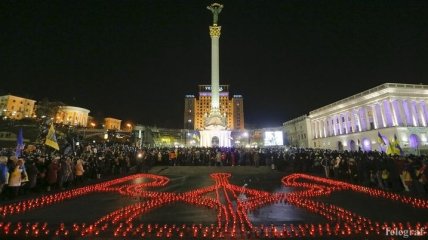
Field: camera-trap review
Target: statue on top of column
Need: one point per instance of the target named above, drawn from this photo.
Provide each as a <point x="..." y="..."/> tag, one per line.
<point x="215" y="8"/>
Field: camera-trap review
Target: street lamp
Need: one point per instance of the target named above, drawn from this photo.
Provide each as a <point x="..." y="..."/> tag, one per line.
<point x="245" y="135"/>
<point x="129" y="126"/>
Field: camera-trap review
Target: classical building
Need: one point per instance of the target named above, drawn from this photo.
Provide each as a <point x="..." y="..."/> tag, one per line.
<point x="390" y="110"/>
<point x="14" y="107"/>
<point x="70" y="115"/>
<point x="296" y="132"/>
<point x="112" y="123"/>
<point x="195" y="108"/>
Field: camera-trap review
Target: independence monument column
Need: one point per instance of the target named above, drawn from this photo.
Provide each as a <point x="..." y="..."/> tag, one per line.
<point x="215" y="132"/>
<point x="215" y="72"/>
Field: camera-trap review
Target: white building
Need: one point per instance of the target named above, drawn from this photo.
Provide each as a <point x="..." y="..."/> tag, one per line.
<point x="296" y="132"/>
<point x="70" y="115"/>
<point x="391" y="109"/>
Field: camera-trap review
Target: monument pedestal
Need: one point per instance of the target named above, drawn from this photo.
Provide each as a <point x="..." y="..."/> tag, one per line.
<point x="215" y="138"/>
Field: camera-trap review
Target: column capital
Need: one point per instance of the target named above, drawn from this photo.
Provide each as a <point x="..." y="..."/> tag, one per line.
<point x="215" y="31"/>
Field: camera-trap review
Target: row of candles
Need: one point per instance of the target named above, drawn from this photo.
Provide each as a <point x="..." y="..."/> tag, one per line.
<point x="203" y="231"/>
<point x="232" y="213"/>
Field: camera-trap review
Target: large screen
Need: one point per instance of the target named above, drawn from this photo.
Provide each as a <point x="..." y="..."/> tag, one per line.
<point x="273" y="138"/>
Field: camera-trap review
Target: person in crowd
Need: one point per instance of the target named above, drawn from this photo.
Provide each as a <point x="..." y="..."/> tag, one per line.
<point x="66" y="173"/>
<point x="79" y="171"/>
<point x="4" y="174"/>
<point x="32" y="172"/>
<point x="52" y="174"/>
<point x="15" y="178"/>
<point x="325" y="163"/>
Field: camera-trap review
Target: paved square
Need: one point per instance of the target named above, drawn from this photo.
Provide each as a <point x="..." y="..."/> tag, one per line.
<point x="215" y="202"/>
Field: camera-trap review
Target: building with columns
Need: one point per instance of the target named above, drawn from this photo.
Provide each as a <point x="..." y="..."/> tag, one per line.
<point x="391" y="109"/>
<point x="70" y="115"/>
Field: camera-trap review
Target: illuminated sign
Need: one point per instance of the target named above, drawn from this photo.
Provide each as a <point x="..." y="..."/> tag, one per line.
<point x="207" y="88"/>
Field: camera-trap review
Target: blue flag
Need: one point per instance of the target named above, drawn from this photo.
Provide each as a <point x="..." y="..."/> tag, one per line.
<point x="380" y="139"/>
<point x="19" y="144"/>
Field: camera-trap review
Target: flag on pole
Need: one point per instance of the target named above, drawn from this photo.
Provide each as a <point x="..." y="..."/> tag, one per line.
<point x="394" y="147"/>
<point x="380" y="139"/>
<point x="196" y="137"/>
<point x="51" y="138"/>
<point x="397" y="146"/>
<point x="19" y="144"/>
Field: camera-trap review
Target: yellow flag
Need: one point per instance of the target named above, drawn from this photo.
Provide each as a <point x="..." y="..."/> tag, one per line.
<point x="51" y="138"/>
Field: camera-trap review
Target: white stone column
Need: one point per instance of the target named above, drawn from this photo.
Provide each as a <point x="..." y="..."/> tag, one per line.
<point x="325" y="127"/>
<point x="424" y="110"/>
<point x="333" y="125"/>
<point x="398" y="115"/>
<point x="353" y="122"/>
<point x="345" y="115"/>
<point x="375" y="120"/>
<point x="393" y="112"/>
<point x="388" y="113"/>
<point x="317" y="129"/>
<point x="420" y="110"/>
<point x="339" y="118"/>
<point x="336" y="125"/>
<point x="414" y="113"/>
<point x="366" y="116"/>
<point x="382" y="113"/>
<point x="215" y="67"/>
<point x="402" y="112"/>
<point x="314" y="128"/>
<point x="408" y="112"/>
<point x="358" y="118"/>
<point x="362" y="119"/>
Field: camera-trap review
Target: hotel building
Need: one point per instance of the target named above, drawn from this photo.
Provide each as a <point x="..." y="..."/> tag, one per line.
<point x="195" y="108"/>
<point x="391" y="110"/>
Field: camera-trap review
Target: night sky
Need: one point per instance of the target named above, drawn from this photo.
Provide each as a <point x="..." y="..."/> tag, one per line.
<point x="136" y="60"/>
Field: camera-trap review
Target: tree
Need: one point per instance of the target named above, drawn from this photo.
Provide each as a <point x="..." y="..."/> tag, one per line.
<point x="47" y="108"/>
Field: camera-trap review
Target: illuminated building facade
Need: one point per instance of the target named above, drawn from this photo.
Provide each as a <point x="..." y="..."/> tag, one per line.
<point x="391" y="110"/>
<point x="195" y="109"/>
<point x="296" y="132"/>
<point x="112" y="123"/>
<point x="70" y="115"/>
<point x="17" y="108"/>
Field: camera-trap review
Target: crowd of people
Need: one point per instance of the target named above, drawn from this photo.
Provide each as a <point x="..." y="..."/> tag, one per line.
<point x="41" y="170"/>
